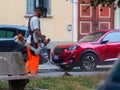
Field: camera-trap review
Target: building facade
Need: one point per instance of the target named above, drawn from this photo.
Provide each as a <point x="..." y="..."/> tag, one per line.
<point x="54" y="26"/>
<point x="66" y="19"/>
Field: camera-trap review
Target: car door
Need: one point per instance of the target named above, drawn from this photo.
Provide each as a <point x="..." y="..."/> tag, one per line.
<point x="6" y="39"/>
<point x="112" y="47"/>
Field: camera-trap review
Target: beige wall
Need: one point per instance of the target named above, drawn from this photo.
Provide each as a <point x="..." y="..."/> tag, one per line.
<point x="12" y="12"/>
<point x="54" y="27"/>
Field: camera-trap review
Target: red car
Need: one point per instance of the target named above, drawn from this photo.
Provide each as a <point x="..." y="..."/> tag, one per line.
<point x="93" y="49"/>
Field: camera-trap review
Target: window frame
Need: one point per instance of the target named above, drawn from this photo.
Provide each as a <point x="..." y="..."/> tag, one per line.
<point x="111" y="38"/>
<point x="31" y="4"/>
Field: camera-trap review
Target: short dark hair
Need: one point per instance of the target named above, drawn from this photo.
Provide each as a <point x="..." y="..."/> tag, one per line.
<point x="42" y="9"/>
<point x="39" y="8"/>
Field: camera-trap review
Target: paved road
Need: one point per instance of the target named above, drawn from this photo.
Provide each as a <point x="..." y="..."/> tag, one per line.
<point x="49" y="70"/>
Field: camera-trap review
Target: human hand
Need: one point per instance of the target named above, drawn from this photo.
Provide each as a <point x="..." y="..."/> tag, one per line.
<point x="37" y="51"/>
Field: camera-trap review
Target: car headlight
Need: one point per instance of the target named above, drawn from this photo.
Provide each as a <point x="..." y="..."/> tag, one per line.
<point x="73" y="48"/>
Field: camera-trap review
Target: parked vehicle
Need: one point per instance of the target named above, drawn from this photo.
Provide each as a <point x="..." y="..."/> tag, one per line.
<point x="7" y="44"/>
<point x="88" y="52"/>
<point x="112" y="81"/>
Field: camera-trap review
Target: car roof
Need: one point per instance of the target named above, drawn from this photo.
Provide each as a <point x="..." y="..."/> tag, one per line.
<point x="108" y="30"/>
<point x="13" y="26"/>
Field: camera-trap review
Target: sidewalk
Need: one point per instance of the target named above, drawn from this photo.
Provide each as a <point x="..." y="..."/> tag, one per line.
<point x="53" y="67"/>
<point x="47" y="66"/>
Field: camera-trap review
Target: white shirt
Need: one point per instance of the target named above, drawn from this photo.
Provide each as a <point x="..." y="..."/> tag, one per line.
<point x="34" y="24"/>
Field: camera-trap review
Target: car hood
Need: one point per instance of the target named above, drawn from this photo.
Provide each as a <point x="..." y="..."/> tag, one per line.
<point x="67" y="45"/>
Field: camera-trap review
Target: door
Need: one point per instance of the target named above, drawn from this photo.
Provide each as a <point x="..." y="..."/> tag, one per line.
<point x="112" y="47"/>
<point x="90" y="19"/>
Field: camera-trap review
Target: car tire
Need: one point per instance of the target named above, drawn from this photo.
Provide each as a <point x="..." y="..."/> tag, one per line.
<point x="88" y="62"/>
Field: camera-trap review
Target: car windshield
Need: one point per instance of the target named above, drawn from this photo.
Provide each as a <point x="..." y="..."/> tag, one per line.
<point x="92" y="37"/>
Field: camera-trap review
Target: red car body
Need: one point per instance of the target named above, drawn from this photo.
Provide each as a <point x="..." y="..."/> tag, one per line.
<point x="91" y="50"/>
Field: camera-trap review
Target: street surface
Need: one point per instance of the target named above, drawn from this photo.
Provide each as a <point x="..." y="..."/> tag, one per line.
<point x="49" y="70"/>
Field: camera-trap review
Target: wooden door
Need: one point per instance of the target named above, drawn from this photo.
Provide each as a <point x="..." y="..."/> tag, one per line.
<point x="90" y="20"/>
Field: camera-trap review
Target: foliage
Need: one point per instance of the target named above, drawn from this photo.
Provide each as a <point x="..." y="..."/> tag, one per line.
<point x="3" y="85"/>
<point x="108" y="3"/>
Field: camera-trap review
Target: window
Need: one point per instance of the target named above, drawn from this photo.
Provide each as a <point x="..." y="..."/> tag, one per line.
<point x="2" y="34"/>
<point x="92" y="37"/>
<point x="31" y="4"/>
<point x="7" y="33"/>
<point x="113" y="37"/>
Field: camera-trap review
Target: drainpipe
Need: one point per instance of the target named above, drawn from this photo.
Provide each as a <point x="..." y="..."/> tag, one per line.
<point x="75" y="20"/>
<point x="116" y="17"/>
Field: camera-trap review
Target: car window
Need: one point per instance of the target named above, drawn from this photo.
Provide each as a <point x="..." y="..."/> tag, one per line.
<point x="7" y="33"/>
<point x="113" y="37"/>
<point x="92" y="37"/>
<point x="21" y="32"/>
<point x="2" y="34"/>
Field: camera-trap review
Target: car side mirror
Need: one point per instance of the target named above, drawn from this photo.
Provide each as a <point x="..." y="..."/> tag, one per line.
<point x="104" y="41"/>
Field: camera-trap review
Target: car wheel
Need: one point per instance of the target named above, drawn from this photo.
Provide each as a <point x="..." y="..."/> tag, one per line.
<point x="88" y="62"/>
<point x="66" y="67"/>
<point x="25" y="56"/>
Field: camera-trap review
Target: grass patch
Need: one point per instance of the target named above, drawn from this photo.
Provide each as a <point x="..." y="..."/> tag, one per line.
<point x="67" y="82"/>
<point x="62" y="83"/>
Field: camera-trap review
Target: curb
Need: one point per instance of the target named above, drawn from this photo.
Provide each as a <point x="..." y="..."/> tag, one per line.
<point x="47" y="66"/>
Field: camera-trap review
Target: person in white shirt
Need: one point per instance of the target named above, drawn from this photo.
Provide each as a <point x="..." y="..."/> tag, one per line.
<point x="33" y="39"/>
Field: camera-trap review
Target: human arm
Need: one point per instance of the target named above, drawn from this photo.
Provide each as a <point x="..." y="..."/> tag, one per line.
<point x="39" y="34"/>
<point x="36" y="27"/>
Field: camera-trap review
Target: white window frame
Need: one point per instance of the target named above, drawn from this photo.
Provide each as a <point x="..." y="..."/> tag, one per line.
<point x="31" y="4"/>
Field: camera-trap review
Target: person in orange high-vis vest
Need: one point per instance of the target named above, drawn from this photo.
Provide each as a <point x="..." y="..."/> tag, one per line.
<point x="33" y="39"/>
<point x="32" y="63"/>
